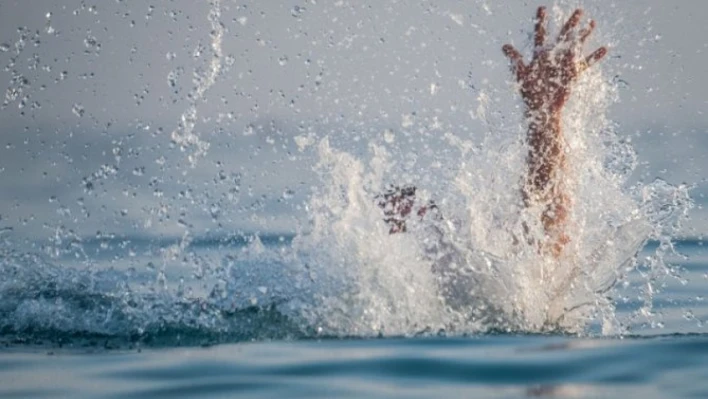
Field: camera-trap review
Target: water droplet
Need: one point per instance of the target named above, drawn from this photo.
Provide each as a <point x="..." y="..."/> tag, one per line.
<point x="283" y="60"/>
<point x="249" y="130"/>
<point x="389" y="136"/>
<point x="92" y="43"/>
<point x="172" y="78"/>
<point x="434" y="88"/>
<point x="215" y="211"/>
<point x="407" y="120"/>
<point x="197" y="53"/>
<point x="236" y="178"/>
<point x="297" y="11"/>
<point x="78" y="110"/>
<point x="4" y="47"/>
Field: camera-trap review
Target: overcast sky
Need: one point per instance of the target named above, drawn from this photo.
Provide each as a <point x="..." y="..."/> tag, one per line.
<point x="94" y="90"/>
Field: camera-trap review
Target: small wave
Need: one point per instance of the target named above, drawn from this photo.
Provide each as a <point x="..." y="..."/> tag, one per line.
<point x="46" y="304"/>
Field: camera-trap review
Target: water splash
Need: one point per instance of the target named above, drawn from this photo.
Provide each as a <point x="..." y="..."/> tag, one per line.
<point x="344" y="275"/>
<point x="184" y="135"/>
<point x="474" y="270"/>
<point x="43" y="303"/>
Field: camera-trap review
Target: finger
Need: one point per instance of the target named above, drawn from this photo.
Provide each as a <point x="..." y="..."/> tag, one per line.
<point x="592" y="59"/>
<point x="587" y="31"/>
<point x="517" y="61"/>
<point x="512" y="53"/>
<point x="572" y="23"/>
<point x="596" y="56"/>
<point x="540" y="36"/>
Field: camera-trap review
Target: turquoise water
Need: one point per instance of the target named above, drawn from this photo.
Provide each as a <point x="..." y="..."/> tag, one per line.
<point x="86" y="344"/>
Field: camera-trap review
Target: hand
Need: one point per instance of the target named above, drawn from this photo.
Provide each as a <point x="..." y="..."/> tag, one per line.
<point x="545" y="82"/>
<point x="397" y="204"/>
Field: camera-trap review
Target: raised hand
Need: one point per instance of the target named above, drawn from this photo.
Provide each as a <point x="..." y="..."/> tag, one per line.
<point x="555" y="65"/>
<point x="545" y="85"/>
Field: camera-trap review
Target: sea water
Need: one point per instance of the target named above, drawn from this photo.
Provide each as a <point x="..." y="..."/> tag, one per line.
<point x="82" y="335"/>
<point x="457" y="306"/>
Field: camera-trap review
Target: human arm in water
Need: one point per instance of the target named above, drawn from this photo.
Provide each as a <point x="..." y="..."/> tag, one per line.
<point x="545" y="86"/>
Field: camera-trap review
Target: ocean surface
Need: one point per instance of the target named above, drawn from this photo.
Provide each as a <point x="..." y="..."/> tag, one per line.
<point x="63" y="337"/>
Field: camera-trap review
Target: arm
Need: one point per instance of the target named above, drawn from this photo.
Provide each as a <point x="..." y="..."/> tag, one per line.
<point x="545" y="86"/>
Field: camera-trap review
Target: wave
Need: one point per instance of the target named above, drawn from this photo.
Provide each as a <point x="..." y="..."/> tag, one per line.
<point x="45" y="303"/>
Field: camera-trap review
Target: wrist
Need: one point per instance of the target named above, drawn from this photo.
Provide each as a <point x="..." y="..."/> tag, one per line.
<point x="543" y="118"/>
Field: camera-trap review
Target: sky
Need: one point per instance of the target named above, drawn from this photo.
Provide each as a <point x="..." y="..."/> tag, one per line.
<point x="108" y="104"/>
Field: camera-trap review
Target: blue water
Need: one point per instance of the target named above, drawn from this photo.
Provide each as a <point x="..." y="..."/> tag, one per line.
<point x="484" y="366"/>
<point x="96" y="327"/>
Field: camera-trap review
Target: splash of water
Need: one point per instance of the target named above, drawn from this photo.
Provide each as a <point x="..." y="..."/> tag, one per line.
<point x="473" y="271"/>
<point x="344" y="275"/>
<point x="184" y="135"/>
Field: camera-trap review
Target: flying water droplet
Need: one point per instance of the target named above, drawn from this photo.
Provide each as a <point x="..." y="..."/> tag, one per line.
<point x="92" y="43"/>
<point x="78" y="110"/>
<point x="389" y="136"/>
<point x="249" y="130"/>
<point x="172" y="77"/>
<point x="288" y="194"/>
<point x="297" y="11"/>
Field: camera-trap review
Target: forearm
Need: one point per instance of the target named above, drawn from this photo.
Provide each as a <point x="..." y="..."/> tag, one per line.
<point x="545" y="86"/>
<point x="546" y="157"/>
<point x="546" y="181"/>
